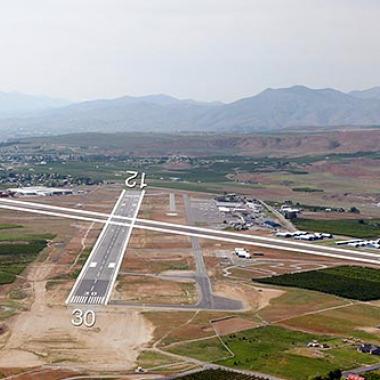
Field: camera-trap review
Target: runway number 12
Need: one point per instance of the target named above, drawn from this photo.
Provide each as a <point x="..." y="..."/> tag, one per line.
<point x="131" y="180"/>
<point x="87" y="318"/>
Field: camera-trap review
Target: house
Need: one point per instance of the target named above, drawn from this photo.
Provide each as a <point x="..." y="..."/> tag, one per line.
<point x="367" y="348"/>
<point x="316" y="344"/>
<point x="353" y="376"/>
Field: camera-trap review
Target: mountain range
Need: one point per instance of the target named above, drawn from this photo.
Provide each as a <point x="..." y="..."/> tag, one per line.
<point x="272" y="109"/>
<point x="13" y="104"/>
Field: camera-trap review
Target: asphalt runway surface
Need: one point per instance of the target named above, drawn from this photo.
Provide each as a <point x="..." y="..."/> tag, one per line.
<point x="95" y="282"/>
<point x="359" y="255"/>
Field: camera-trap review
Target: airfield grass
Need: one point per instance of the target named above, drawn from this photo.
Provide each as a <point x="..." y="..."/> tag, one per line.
<point x="360" y="228"/>
<point x="273" y="350"/>
<point x="17" y="250"/>
<point x="351" y="282"/>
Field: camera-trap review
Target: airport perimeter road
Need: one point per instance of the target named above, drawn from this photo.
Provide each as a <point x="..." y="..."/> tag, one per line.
<point x="95" y="282"/>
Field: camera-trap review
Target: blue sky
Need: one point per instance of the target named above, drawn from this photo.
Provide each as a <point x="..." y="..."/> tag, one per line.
<point x="202" y="49"/>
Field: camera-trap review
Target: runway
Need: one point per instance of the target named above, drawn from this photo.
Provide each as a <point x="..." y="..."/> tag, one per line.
<point x="95" y="282"/>
<point x="359" y="255"/>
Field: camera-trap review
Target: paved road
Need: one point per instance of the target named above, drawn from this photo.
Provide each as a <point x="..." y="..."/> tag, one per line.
<point x="207" y="299"/>
<point x="95" y="282"/>
<point x="358" y="371"/>
<point x="285" y="222"/>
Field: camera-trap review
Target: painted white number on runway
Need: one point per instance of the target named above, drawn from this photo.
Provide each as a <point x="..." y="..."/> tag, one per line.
<point x="87" y="318"/>
<point x="131" y="180"/>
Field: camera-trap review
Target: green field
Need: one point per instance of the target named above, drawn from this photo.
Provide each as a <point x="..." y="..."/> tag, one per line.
<point x="17" y="251"/>
<point x="372" y="375"/>
<point x="9" y="226"/>
<point x="307" y="190"/>
<point x="360" y="228"/>
<point x="345" y="281"/>
<point x="277" y="351"/>
<point x="217" y="374"/>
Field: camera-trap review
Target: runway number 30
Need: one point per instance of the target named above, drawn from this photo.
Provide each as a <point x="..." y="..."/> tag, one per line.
<point x="86" y="318"/>
<point x="131" y="180"/>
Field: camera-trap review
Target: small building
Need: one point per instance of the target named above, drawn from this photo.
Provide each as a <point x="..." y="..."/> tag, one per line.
<point x="284" y="234"/>
<point x="289" y="212"/>
<point x="307" y="237"/>
<point x="4" y="194"/>
<point x="242" y="253"/>
<point x="316" y="344"/>
<point x="367" y="348"/>
<point x="272" y="223"/>
<point x="224" y="209"/>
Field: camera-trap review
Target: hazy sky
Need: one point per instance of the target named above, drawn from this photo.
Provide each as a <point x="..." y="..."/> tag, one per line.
<point x="203" y="49"/>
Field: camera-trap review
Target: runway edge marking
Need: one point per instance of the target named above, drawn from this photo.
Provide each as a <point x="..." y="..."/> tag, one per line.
<point x="219" y="238"/>
<point x="154" y="222"/>
<point x="118" y="265"/>
<point x="100" y="238"/>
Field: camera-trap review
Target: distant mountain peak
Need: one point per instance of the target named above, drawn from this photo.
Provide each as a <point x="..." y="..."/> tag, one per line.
<point x="272" y="109"/>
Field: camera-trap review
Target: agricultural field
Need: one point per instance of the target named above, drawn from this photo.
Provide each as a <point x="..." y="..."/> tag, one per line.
<point x="300" y="176"/>
<point x="17" y="251"/>
<point x="358" y="321"/>
<point x="359" y="228"/>
<point x="277" y="351"/>
<point x="372" y="375"/>
<point x="217" y="374"/>
<point x="351" y="282"/>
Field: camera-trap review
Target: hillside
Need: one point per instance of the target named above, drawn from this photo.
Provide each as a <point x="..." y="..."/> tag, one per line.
<point x="372" y="93"/>
<point x="272" y="109"/>
<point x="255" y="144"/>
<point x="14" y="104"/>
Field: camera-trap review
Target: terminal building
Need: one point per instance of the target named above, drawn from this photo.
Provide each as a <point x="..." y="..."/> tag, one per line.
<point x="39" y="190"/>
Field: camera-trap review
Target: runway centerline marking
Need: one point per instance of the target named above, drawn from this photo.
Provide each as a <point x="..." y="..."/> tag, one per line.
<point x="206" y="233"/>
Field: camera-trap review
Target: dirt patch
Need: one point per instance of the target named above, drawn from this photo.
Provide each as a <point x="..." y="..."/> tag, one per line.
<point x="232" y="325"/>
<point x="307" y="352"/>
<point x="154" y="290"/>
<point x="41" y="333"/>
